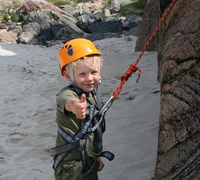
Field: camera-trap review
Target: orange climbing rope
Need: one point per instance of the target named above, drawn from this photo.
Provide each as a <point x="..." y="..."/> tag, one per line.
<point x="133" y="67"/>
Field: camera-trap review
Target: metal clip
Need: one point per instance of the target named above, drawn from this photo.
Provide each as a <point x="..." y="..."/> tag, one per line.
<point x="107" y="105"/>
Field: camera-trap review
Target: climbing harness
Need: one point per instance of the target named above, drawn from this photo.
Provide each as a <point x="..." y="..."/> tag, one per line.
<point x="79" y="139"/>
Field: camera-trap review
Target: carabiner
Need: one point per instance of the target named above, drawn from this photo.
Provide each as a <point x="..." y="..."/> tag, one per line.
<point x="107" y="105"/>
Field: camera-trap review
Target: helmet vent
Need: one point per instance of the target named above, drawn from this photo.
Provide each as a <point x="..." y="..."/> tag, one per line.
<point x="70" y="50"/>
<point x="69" y="47"/>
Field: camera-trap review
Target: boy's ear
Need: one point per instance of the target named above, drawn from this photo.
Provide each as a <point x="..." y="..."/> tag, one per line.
<point x="67" y="76"/>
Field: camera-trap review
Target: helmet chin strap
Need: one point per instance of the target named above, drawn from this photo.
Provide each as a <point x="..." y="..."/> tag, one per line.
<point x="97" y="95"/>
<point x="71" y="73"/>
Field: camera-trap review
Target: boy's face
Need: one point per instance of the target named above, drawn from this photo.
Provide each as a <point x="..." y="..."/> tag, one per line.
<point x="86" y="78"/>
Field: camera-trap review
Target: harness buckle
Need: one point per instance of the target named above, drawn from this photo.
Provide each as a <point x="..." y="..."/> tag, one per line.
<point x="107" y="105"/>
<point x="81" y="144"/>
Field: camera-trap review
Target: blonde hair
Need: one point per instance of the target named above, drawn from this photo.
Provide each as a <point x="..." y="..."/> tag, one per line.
<point x="91" y="61"/>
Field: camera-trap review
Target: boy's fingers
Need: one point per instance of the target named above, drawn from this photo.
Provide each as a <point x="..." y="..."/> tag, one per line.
<point x="83" y="98"/>
<point x="101" y="164"/>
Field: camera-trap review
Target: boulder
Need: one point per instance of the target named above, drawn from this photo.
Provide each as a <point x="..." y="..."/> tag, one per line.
<point x="67" y="34"/>
<point x="131" y="25"/>
<point x="114" y="6"/>
<point x="29" y="33"/>
<point x="3" y="26"/>
<point x="55" y="27"/>
<point x="68" y="9"/>
<point x="7" y="37"/>
<point x="149" y="22"/>
<point x="107" y="27"/>
<point x="37" y="16"/>
<point x="99" y="36"/>
<point x="44" y="22"/>
<point x="132" y="32"/>
<point x="106" y="13"/>
<point x="85" y="19"/>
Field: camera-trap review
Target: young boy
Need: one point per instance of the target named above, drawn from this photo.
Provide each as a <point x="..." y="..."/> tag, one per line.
<point x="80" y="63"/>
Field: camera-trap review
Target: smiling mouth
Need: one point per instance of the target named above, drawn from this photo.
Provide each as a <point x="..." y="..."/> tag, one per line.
<point x="90" y="85"/>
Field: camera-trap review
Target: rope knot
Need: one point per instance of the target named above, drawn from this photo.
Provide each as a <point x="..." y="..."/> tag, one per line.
<point x="132" y="68"/>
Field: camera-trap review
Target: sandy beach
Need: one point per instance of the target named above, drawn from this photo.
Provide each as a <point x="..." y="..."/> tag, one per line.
<point x="30" y="79"/>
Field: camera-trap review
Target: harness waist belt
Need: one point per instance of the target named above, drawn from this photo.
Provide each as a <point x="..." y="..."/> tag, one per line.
<point x="61" y="149"/>
<point x="67" y="147"/>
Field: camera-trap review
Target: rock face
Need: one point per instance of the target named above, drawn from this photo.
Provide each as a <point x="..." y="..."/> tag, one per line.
<point x="149" y="22"/>
<point x="179" y="56"/>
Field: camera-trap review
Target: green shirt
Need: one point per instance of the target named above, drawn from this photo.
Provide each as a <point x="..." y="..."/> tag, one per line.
<point x="68" y="122"/>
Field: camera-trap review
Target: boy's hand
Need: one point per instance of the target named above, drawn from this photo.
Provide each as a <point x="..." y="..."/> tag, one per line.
<point x="100" y="164"/>
<point x="78" y="107"/>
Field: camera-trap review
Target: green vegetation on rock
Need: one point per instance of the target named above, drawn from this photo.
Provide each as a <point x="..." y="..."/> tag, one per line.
<point x="135" y="7"/>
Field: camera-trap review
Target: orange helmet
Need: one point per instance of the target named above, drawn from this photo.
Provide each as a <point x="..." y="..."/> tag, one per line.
<point x="74" y="50"/>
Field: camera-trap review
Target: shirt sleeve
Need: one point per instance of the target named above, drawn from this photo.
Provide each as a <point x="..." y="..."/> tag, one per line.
<point x="62" y="98"/>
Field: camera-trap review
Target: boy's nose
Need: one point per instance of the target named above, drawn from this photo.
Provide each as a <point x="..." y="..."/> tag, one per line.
<point x="89" y="77"/>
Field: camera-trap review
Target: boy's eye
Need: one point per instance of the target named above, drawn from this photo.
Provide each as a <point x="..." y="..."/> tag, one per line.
<point x="94" y="72"/>
<point x="82" y="74"/>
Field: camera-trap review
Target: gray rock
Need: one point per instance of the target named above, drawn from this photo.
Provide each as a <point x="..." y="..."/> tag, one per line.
<point x="132" y="32"/>
<point x="149" y="22"/>
<point x="107" y="27"/>
<point x="114" y="6"/>
<point x="67" y="34"/>
<point x="68" y="9"/>
<point x="55" y="27"/>
<point x="99" y="36"/>
<point x="46" y="22"/>
<point x="37" y="16"/>
<point x="29" y="33"/>
<point x="85" y="19"/>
